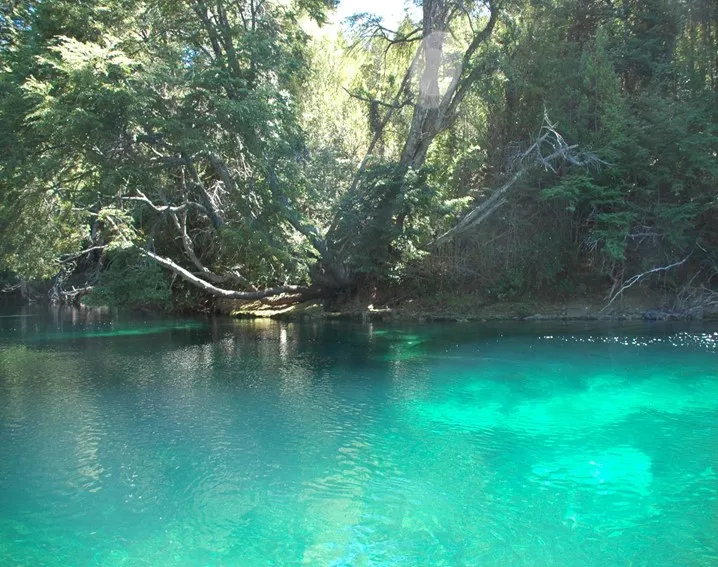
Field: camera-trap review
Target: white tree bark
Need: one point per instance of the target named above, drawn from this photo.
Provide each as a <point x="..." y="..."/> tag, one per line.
<point x="218" y="291"/>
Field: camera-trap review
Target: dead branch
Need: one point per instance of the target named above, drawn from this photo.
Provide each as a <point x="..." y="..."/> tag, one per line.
<point x="75" y="256"/>
<point x="218" y="291"/>
<point x="638" y="277"/>
<point x="165" y="208"/>
<point x="204" y="272"/>
<point x="550" y="149"/>
<point x="72" y="295"/>
<point x="178" y="215"/>
<point x="547" y="151"/>
<point x="695" y="300"/>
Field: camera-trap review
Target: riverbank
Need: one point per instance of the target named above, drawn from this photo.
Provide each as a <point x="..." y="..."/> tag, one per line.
<point x="637" y="306"/>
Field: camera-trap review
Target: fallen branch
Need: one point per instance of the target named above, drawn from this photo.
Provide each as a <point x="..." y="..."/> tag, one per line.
<point x="192" y="255"/>
<point x="696" y="300"/>
<point x="72" y="295"/>
<point x="480" y="213"/>
<point x="9" y="288"/>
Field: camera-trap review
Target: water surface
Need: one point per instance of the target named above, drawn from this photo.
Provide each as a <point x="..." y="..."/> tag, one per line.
<point x="136" y="440"/>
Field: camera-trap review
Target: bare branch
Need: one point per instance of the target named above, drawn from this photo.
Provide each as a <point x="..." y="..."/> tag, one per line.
<point x="480" y="213"/>
<point x="695" y="300"/>
<point x="460" y="86"/>
<point x="374" y="100"/>
<point x="638" y="277"/>
<point x="366" y="27"/>
<point x="72" y="295"/>
<point x="522" y="162"/>
<point x="218" y="291"/>
<point x="165" y="208"/>
<point x="191" y="254"/>
<point x="69" y="257"/>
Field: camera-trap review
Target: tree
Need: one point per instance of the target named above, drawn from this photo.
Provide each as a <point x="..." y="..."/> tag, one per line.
<point x="164" y="130"/>
<point x="220" y="142"/>
<point x="175" y="128"/>
<point x="375" y="208"/>
<point x="621" y="79"/>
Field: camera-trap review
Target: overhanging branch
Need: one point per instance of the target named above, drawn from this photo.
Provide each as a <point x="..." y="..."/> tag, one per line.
<point x="218" y="291"/>
<point x="204" y="271"/>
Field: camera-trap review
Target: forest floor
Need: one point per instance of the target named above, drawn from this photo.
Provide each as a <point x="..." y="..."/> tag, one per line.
<point x="637" y="305"/>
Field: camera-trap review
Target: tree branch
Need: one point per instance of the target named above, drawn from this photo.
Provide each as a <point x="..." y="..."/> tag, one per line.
<point x="222" y="170"/>
<point x="638" y="277"/>
<point x="380" y="130"/>
<point x="209" y="203"/>
<point x="75" y="256"/>
<point x="191" y="254"/>
<point x="480" y="213"/>
<point x="373" y="100"/>
<point x="165" y="208"/>
<point x="218" y="291"/>
<point x="521" y="163"/>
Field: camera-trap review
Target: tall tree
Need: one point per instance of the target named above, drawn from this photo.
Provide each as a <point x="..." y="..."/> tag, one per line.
<point x="174" y="128"/>
<point x="205" y="137"/>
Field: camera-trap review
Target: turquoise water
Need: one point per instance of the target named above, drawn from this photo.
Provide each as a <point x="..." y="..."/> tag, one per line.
<point x="137" y="441"/>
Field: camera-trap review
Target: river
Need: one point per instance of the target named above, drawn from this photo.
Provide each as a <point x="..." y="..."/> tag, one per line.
<point x="145" y="440"/>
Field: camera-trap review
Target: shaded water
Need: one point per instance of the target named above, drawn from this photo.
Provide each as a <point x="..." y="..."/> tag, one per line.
<point x="129" y="441"/>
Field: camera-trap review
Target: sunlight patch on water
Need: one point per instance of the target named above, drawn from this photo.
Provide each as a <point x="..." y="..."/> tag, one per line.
<point x="707" y="341"/>
<point x="607" y="490"/>
<point x="607" y="400"/>
<point x="606" y="472"/>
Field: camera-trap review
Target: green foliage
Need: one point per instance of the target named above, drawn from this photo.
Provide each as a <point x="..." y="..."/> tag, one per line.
<point x="229" y="139"/>
<point x="335" y="126"/>
<point x="389" y="220"/>
<point x="43" y="229"/>
<point x="628" y="83"/>
<point x="108" y="100"/>
<point x="132" y="281"/>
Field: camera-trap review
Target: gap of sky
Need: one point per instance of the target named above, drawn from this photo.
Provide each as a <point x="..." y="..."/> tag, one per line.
<point x="390" y="11"/>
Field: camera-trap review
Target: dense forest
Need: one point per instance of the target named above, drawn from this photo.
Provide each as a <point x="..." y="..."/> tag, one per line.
<point x="163" y="153"/>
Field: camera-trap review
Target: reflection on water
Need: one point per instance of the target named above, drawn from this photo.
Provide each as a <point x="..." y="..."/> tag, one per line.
<point x="146" y="441"/>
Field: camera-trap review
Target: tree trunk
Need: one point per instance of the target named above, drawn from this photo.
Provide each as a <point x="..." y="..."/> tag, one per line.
<point x="433" y="112"/>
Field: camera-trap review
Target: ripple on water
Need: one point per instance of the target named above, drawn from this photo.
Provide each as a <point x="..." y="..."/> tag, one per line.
<point x="265" y="449"/>
<point x="605" y="472"/>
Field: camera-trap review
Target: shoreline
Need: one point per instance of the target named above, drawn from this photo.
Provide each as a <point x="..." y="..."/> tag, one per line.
<point x="575" y="310"/>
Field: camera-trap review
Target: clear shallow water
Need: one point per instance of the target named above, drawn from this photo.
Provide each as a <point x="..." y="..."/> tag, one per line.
<point x="131" y="441"/>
